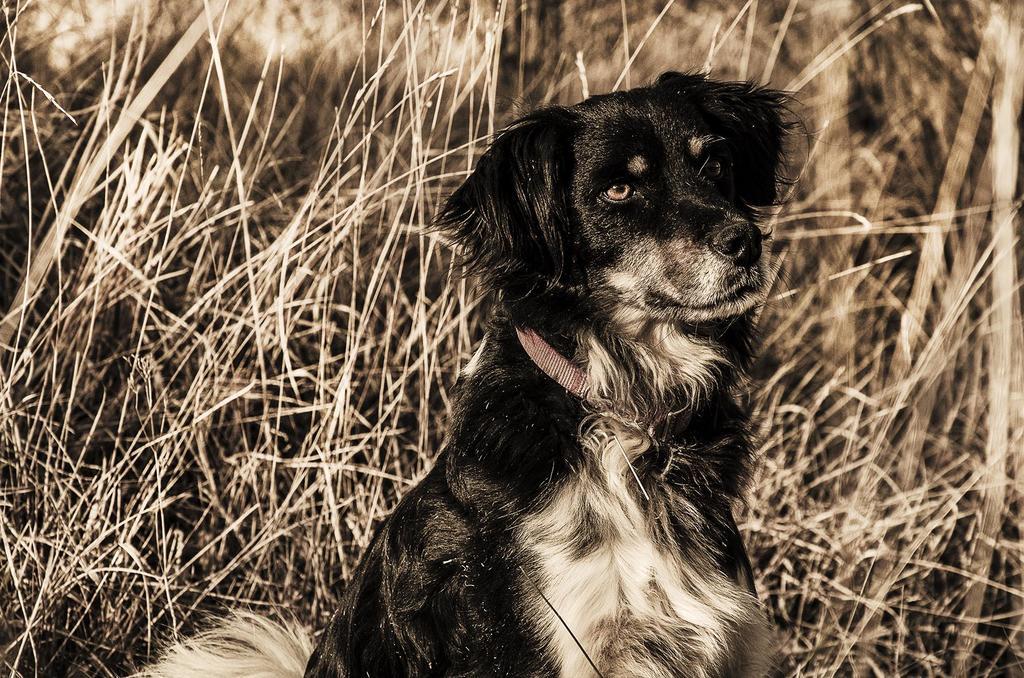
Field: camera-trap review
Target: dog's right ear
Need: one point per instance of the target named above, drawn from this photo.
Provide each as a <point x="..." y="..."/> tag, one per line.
<point x="509" y="219"/>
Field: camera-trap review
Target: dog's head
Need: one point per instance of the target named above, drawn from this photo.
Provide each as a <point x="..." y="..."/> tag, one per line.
<point x="643" y="202"/>
<point x="629" y="224"/>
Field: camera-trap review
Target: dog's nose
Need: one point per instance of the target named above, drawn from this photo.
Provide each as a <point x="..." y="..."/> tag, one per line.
<point x="739" y="243"/>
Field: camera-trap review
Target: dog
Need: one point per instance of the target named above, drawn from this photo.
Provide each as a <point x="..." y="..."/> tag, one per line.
<point x="578" y="518"/>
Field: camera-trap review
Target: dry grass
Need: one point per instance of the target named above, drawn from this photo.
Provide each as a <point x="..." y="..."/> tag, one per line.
<point x="227" y="345"/>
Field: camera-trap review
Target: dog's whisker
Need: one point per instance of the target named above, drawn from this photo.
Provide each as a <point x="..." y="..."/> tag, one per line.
<point x="632" y="469"/>
<point x="562" y="622"/>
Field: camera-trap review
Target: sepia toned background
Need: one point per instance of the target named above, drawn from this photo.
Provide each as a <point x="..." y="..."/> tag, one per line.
<point x="227" y="343"/>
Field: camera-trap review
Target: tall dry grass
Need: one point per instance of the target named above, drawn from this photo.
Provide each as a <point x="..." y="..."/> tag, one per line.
<point x="228" y="345"/>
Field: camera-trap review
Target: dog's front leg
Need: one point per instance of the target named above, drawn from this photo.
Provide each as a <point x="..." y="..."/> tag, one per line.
<point x="402" y="613"/>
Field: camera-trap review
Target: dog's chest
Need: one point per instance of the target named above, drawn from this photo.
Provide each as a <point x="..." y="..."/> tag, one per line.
<point x="626" y="597"/>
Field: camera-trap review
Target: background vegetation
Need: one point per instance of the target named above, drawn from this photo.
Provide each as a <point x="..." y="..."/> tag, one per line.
<point x="227" y="345"/>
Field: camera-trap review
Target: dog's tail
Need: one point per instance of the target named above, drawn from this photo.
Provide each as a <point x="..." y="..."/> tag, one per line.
<point x="242" y="645"/>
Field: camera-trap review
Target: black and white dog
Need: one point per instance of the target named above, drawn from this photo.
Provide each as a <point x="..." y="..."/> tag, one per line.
<point x="578" y="520"/>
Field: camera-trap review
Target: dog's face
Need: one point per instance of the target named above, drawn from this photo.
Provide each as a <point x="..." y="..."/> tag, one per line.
<point x="643" y="202"/>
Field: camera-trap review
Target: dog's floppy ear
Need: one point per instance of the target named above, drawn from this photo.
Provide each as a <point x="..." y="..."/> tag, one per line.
<point x="509" y="218"/>
<point x="751" y="118"/>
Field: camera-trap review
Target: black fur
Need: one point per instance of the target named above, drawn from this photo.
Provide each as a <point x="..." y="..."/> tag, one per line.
<point x="750" y="118"/>
<point x="442" y="589"/>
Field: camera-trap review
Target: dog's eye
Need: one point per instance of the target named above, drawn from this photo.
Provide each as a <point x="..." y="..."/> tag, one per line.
<point x="714" y="168"/>
<point x="618" y="192"/>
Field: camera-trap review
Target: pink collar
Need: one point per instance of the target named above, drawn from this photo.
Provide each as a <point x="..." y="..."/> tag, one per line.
<point x="553" y="363"/>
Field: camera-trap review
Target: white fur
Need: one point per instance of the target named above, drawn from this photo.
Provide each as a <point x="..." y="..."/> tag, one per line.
<point x="696" y="144"/>
<point x="623" y="584"/>
<point x="638" y="165"/>
<point x="474" y="362"/>
<point x="667" y="358"/>
<point x="242" y="645"/>
<point x="625" y="281"/>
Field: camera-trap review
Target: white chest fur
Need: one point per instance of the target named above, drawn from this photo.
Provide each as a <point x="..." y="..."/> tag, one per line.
<point x="634" y="603"/>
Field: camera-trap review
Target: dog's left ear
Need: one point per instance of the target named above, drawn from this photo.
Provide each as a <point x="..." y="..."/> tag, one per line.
<point x="509" y="218"/>
<point x="752" y="120"/>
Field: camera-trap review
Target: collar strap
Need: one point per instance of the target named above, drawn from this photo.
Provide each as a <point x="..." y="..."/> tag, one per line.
<point x="553" y="363"/>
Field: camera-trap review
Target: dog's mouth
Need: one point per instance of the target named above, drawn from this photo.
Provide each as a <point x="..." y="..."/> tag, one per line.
<point x="702" y="294"/>
<point x="734" y="301"/>
<point x="724" y="306"/>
